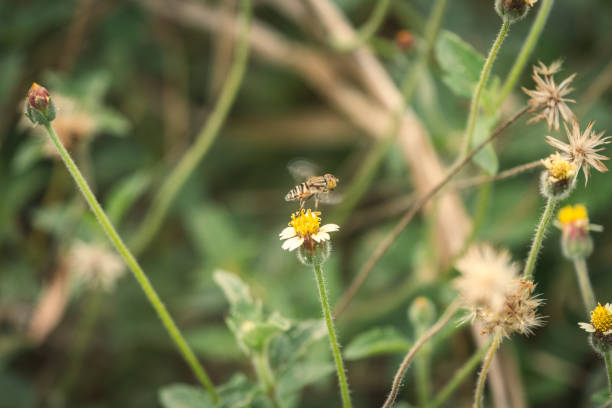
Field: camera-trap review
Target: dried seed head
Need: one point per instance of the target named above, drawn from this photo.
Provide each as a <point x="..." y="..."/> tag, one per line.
<point x="494" y="294"/>
<point x="583" y="148"/>
<point x="549" y="98"/>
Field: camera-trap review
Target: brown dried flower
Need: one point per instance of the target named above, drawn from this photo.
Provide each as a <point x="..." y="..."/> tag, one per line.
<point x="548" y="97"/>
<point x="582" y="148"/>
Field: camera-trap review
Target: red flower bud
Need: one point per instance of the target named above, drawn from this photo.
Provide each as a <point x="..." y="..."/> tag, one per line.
<point x="40" y="109"/>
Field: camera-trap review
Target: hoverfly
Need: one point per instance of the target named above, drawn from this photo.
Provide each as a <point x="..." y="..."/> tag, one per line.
<point x="318" y="187"/>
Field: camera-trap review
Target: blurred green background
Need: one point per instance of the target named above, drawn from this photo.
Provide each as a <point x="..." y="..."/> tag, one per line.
<point x="138" y="87"/>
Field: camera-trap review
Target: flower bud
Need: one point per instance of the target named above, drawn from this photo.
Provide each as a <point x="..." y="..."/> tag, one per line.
<point x="600" y="342"/>
<point x="513" y="10"/>
<point x="559" y="178"/>
<point x="40" y="109"/>
<point x="422" y="312"/>
<point x="576" y="242"/>
<point x="314" y="255"/>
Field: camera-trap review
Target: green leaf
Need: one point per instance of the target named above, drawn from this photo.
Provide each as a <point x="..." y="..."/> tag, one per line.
<point x="214" y="342"/>
<point x="486" y="158"/>
<point x="235" y="290"/>
<point x="460" y="63"/>
<point x="301" y="375"/>
<point x="236" y="393"/>
<point x="184" y="396"/>
<point x="289" y="347"/>
<point x="380" y="340"/>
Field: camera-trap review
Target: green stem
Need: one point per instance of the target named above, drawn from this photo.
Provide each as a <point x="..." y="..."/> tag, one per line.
<point x="582" y="273"/>
<point x="132" y="263"/>
<point x="423" y="375"/>
<point x="344" y="390"/>
<point x="538" y="238"/>
<point x="526" y="50"/>
<point x="431" y="32"/>
<point x="178" y="177"/>
<point x="608" y="358"/>
<point x="485" y="369"/>
<point x="460" y="376"/>
<point x="368" y="29"/>
<point x="484" y="75"/>
<point x="264" y="373"/>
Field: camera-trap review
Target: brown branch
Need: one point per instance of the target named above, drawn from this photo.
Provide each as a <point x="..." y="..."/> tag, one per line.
<point x="399" y="375"/>
<point x="418" y="205"/>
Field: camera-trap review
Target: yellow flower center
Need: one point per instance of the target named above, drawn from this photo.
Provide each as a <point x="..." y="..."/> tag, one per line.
<point x="601" y="318"/>
<point x="559" y="168"/>
<point x="570" y="215"/>
<point x="305" y="223"/>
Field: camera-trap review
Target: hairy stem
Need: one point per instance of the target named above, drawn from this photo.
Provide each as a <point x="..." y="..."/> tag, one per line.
<point x="154" y="218"/>
<point x="416" y="207"/>
<point x="460" y="376"/>
<point x="485" y="369"/>
<point x="484" y="75"/>
<point x="399" y="375"/>
<point x="333" y="340"/>
<point x="528" y="46"/>
<point x="608" y="359"/>
<point x="368" y="29"/>
<point x="132" y="263"/>
<point x="582" y="273"/>
<point x="538" y="238"/>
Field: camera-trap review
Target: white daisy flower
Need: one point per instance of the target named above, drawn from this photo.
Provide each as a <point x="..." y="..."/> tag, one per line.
<point x="304" y="229"/>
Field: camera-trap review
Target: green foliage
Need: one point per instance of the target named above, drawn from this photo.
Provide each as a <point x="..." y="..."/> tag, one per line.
<point x="236" y="393"/>
<point x="376" y="341"/>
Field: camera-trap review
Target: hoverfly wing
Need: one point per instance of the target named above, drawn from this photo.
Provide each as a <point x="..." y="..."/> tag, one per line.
<point x="302" y="169"/>
<point x="332" y="198"/>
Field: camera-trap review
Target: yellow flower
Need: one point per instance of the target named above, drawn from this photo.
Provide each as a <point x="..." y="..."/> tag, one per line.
<point x="559" y="169"/>
<point x="601" y="320"/>
<point x="304" y="228"/>
<point x="572" y="214"/>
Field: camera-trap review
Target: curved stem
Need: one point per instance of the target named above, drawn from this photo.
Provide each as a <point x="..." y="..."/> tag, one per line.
<point x="264" y="373"/>
<point x="399" y="375"/>
<point x="485" y="369"/>
<point x="538" y="238"/>
<point x="154" y="218"/>
<point x="416" y="207"/>
<point x="333" y="340"/>
<point x="482" y="179"/>
<point x="132" y="263"/>
<point x="528" y="46"/>
<point x="484" y="75"/>
<point x="582" y="273"/>
<point x="368" y="29"/>
<point x="460" y="376"/>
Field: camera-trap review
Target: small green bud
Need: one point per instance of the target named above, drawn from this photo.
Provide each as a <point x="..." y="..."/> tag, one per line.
<point x="558" y="189"/>
<point x="316" y="254"/>
<point x="600" y="342"/>
<point x="422" y="312"/>
<point x="513" y="10"/>
<point x="40" y="109"/>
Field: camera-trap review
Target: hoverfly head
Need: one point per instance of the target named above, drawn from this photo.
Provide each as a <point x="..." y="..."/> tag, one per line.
<point x="331" y="181"/>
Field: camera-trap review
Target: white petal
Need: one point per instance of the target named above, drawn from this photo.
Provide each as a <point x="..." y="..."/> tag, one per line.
<point x="329" y="228"/>
<point x="609" y="307"/>
<point x="587" y="326"/>
<point x="293" y="243"/>
<point x="608" y="332"/>
<point x="288" y="232"/>
<point x="321" y="236"/>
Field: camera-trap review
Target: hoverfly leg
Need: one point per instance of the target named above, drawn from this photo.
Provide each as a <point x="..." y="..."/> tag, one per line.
<point x="316" y="201"/>
<point x="302" y="202"/>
